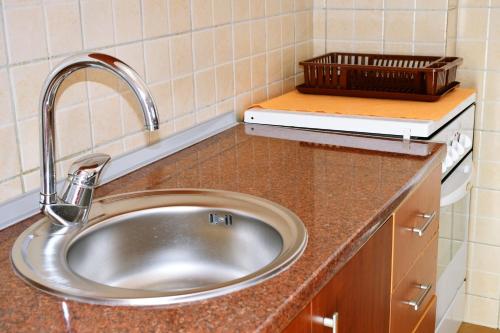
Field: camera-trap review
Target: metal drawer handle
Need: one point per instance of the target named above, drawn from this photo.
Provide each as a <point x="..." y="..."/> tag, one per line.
<point x="428" y="220"/>
<point x="416" y="304"/>
<point x="332" y="322"/>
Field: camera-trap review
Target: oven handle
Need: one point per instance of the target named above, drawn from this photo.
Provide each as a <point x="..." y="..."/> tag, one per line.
<point x="458" y="193"/>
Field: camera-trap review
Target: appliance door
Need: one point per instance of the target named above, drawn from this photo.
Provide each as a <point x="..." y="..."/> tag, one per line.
<point x="452" y="248"/>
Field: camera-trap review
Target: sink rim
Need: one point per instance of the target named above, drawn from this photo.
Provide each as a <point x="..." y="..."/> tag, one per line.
<point x="70" y="285"/>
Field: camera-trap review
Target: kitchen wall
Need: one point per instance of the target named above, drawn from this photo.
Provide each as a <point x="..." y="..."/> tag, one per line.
<point x="200" y="58"/>
<point x="468" y="29"/>
<point x="478" y="42"/>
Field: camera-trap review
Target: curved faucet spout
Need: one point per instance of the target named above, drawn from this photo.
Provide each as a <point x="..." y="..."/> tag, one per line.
<point x="48" y="194"/>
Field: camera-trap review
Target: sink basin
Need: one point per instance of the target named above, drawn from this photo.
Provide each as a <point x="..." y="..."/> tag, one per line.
<point x="161" y="247"/>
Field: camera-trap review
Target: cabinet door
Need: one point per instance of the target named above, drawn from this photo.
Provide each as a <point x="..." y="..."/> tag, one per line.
<point x="360" y="293"/>
<point x="301" y="323"/>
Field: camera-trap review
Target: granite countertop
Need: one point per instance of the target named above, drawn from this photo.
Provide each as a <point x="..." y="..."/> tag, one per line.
<point x="341" y="194"/>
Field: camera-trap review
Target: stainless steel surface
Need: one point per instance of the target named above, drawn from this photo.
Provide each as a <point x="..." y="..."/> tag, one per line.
<point x="417" y="303"/>
<point x="82" y="177"/>
<point x="60" y="212"/>
<point x="160" y="247"/>
<point x="332" y="322"/>
<point x="428" y="218"/>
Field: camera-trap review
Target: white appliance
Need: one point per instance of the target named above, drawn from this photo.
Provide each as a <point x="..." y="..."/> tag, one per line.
<point x="456" y="130"/>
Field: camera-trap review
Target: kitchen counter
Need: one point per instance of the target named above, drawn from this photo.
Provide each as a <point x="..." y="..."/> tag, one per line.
<point x="341" y="194"/>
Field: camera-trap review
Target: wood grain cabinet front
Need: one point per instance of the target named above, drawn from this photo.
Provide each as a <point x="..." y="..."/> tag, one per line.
<point x="357" y="299"/>
<point x="389" y="284"/>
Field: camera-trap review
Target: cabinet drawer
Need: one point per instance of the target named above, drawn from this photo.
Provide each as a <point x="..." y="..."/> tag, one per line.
<point x="415" y="223"/>
<point x="415" y="292"/>
<point x="427" y="323"/>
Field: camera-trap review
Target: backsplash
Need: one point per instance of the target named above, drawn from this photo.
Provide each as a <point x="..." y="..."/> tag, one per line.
<point x="200" y="58"/>
<point x="478" y="42"/>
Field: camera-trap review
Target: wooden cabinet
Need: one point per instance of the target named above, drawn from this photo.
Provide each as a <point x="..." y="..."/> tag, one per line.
<point x="359" y="293"/>
<point x="374" y="291"/>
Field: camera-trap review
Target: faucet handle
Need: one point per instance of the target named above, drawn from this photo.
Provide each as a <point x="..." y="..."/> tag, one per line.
<point x="83" y="176"/>
<point x="87" y="170"/>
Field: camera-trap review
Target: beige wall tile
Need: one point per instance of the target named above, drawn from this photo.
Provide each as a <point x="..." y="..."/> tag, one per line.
<point x="303" y="26"/>
<point x="10" y="189"/>
<point x="27" y="83"/>
<point x="257" y="8"/>
<point x="430" y="26"/>
<point x="101" y="83"/>
<point x="495" y="24"/>
<point x="472" y="23"/>
<point x="63" y="27"/>
<point x="222" y="12"/>
<point x="259" y="65"/>
<point x="493" y="56"/>
<point x="340" y="3"/>
<point x="127" y="19"/>
<point x="202" y="13"/>
<point x="133" y="55"/>
<point x="288" y="59"/>
<point x="205" y="88"/>
<point x="179" y="15"/>
<point x="491" y="116"/>
<point x="274" y="66"/>
<point x="368" y="4"/>
<point x="205" y="114"/>
<point x="492" y="85"/>
<point x="9" y="163"/>
<point x="223" y="45"/>
<point x="399" y="4"/>
<point x="274" y="33"/>
<point x="225" y="106"/>
<point x="489" y="145"/>
<point x="31" y="181"/>
<point x="398" y="26"/>
<point x="203" y="43"/>
<point x="157" y="56"/>
<point x="155" y="18"/>
<point x="106" y="119"/>
<point x="97" y="22"/>
<point x="488" y="175"/>
<point x="28" y="131"/>
<point x="162" y="94"/>
<point x="133" y="119"/>
<point x="485" y="230"/>
<point x="182" y="55"/>
<point x="224" y="82"/>
<point x="368" y="25"/>
<point x="487" y="203"/>
<point x="273" y="7"/>
<point x="340" y="24"/>
<point x="431" y="4"/>
<point x="183" y="95"/>
<point x="259" y="36"/>
<point x="25" y="33"/>
<point x="484" y="258"/>
<point x="241" y="40"/>
<point x="183" y="123"/>
<point x="242" y="72"/>
<point x="3" y="47"/>
<point x="481" y="310"/>
<point x="136" y="141"/>
<point x="241" y="10"/>
<point x="73" y="130"/>
<point x="6" y="115"/>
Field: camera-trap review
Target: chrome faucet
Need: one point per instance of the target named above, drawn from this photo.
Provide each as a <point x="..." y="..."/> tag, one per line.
<point x="73" y="206"/>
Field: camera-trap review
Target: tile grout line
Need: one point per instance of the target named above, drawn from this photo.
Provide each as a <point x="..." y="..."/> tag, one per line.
<point x="12" y="99"/>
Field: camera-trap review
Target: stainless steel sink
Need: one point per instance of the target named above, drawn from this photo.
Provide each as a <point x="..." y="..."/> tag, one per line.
<point x="161" y="247"/>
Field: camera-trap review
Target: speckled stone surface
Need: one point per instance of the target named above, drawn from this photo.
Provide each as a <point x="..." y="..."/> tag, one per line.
<point x="342" y="195"/>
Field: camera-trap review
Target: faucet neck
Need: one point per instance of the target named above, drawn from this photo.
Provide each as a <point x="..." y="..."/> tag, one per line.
<point x="48" y="194"/>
